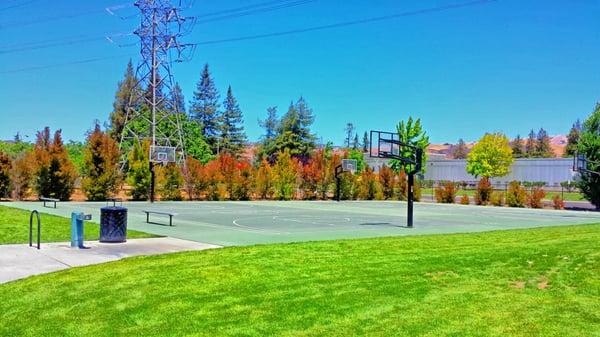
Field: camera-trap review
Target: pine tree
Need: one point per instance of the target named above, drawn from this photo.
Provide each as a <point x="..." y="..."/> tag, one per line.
<point x="270" y="124"/>
<point x="543" y="148"/>
<point x="517" y="147"/>
<point x="293" y="133"/>
<point x="177" y="99"/>
<point x="356" y="143"/>
<point x="573" y="140"/>
<point x="366" y="142"/>
<point x="531" y="145"/>
<point x="461" y="150"/>
<point x="349" y="131"/>
<point x="123" y="99"/>
<point x="205" y="108"/>
<point x="232" y="137"/>
<point x="100" y="169"/>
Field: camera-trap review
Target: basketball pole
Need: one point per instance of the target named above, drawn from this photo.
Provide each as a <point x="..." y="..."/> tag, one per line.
<point x="152" y="181"/>
<point x="411" y="197"/>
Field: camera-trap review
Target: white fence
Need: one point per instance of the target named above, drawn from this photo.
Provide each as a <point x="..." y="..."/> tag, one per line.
<point x="552" y="171"/>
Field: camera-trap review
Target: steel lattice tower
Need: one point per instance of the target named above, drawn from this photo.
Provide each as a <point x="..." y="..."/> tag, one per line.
<point x="152" y="113"/>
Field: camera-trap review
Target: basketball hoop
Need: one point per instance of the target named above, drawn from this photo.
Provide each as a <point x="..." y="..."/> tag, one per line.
<point x="349" y="165"/>
<point x="163" y="154"/>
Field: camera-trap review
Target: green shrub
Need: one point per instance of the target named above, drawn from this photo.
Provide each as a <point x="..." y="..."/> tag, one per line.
<point x="516" y="195"/>
<point x="497" y="199"/>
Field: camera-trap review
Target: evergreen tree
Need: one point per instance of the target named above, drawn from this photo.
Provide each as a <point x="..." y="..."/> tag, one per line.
<point x="232" y="137"/>
<point x="55" y="174"/>
<point x="461" y="150"/>
<point x="543" y="148"/>
<point x="270" y="124"/>
<point x="293" y="132"/>
<point x="531" y="145"/>
<point x="139" y="175"/>
<point x="177" y="99"/>
<point x="517" y="147"/>
<point x="349" y="131"/>
<point x="100" y="169"/>
<point x="205" y="108"/>
<point x="573" y="139"/>
<point x="356" y="142"/>
<point x="123" y="99"/>
<point x="366" y="142"/>
<point x="589" y="146"/>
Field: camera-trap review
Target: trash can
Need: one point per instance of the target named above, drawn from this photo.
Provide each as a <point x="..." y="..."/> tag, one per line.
<point x="113" y="224"/>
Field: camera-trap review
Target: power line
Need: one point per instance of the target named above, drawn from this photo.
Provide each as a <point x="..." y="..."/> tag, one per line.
<point x="58" y="65"/>
<point x="18" y="5"/>
<point x="109" y="9"/>
<point x="78" y="40"/>
<point x="257" y="11"/>
<point x="243" y="8"/>
<point x="349" y="23"/>
<point x="291" y="32"/>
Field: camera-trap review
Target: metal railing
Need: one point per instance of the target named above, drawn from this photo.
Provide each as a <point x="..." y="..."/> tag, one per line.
<point x="39" y="225"/>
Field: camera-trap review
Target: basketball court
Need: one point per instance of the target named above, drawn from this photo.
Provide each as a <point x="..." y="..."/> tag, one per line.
<point x="262" y="222"/>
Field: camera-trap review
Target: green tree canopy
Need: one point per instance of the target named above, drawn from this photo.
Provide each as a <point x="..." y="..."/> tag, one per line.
<point x="410" y="132"/>
<point x="589" y="146"/>
<point x="491" y="157"/>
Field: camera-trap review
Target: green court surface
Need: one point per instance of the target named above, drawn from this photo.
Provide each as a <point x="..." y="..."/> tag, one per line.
<point x="261" y="222"/>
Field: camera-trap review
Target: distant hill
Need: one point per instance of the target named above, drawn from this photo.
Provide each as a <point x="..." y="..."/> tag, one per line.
<point x="559" y="143"/>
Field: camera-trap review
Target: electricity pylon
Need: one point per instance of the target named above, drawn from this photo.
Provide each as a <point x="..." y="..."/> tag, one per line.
<point x="152" y="112"/>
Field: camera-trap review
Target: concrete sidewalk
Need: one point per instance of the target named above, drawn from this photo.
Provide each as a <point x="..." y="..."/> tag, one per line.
<point x="21" y="261"/>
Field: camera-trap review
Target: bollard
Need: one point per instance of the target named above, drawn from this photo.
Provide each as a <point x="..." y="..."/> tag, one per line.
<point x="77" y="219"/>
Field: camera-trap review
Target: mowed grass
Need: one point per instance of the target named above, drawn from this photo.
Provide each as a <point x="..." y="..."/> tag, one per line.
<point x="14" y="228"/>
<point x="539" y="282"/>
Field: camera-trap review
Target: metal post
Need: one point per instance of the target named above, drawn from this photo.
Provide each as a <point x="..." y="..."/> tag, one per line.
<point x="37" y="214"/>
<point x="338" y="183"/>
<point x="411" y="185"/>
<point x="152" y="181"/>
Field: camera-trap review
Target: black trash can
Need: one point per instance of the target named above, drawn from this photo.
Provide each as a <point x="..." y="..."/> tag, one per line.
<point x="113" y="224"/>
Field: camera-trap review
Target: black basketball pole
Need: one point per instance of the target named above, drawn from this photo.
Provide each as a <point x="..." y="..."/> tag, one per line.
<point x="411" y="197"/>
<point x="152" y="180"/>
<point x="338" y="182"/>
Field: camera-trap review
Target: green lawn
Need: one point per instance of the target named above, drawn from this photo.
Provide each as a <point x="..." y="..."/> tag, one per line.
<point x="568" y="196"/>
<point x="14" y="228"/>
<point x="539" y="282"/>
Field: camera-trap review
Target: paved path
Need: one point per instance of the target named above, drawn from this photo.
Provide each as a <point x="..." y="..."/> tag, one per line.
<point x="20" y="261"/>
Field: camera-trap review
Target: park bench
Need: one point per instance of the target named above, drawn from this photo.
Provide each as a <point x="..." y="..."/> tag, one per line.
<point x="170" y="214"/>
<point x="46" y="200"/>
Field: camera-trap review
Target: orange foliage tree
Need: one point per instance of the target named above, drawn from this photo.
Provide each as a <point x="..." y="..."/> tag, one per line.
<point x="100" y="169"/>
<point x="54" y="174"/>
<point x="264" y="180"/>
<point x="5" y="176"/>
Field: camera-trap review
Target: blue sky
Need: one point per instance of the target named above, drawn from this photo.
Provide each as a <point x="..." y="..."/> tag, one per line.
<point x="506" y="65"/>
